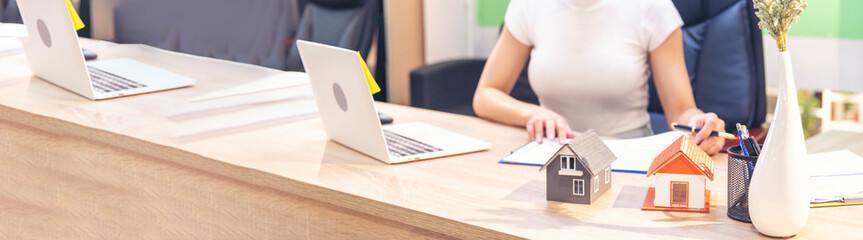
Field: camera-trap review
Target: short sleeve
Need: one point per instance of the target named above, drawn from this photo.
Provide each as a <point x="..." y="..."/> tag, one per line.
<point x="660" y="19"/>
<point x="519" y="20"/>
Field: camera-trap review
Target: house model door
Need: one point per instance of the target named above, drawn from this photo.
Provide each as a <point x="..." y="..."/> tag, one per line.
<point x="679" y="194"/>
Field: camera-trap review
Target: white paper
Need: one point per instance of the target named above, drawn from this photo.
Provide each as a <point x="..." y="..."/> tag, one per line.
<point x="15" y="30"/>
<point x="633" y="155"/>
<point x="834" y="175"/>
<point x="11" y="35"/>
<point x="9" y="44"/>
<point x="835" y="163"/>
<point x="534" y="153"/>
<point x="636" y="154"/>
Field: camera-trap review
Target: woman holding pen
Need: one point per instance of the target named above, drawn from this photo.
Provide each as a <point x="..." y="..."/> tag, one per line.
<point x="589" y="65"/>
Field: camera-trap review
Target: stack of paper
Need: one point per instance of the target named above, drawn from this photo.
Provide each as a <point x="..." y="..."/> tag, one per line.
<point x="835" y="175"/>
<point x="10" y="36"/>
<point x="534" y="154"/>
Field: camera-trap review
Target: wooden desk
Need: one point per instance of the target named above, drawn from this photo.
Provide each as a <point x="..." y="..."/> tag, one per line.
<point x="74" y="168"/>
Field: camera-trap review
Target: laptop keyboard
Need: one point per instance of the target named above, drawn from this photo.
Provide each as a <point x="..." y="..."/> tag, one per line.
<point x="105" y="82"/>
<point x="401" y="146"/>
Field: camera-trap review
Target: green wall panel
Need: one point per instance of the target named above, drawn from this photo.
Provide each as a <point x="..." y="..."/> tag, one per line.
<point x="851" y="19"/>
<point x="823" y="18"/>
<point x="830" y="19"/>
<point x="820" y="19"/>
<point x="491" y="12"/>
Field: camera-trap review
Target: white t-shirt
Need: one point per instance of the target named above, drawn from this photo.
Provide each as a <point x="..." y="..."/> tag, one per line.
<point x="589" y="62"/>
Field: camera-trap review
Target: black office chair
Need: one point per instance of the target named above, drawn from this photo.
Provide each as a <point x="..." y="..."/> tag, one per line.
<point x="725" y="60"/>
<point x="348" y="24"/>
<point x="723" y="51"/>
<point x="449" y="86"/>
<point x="256" y="31"/>
<point x="9" y="12"/>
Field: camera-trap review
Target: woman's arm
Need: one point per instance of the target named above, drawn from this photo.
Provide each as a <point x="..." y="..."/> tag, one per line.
<point x="675" y="93"/>
<point x="492" y="99"/>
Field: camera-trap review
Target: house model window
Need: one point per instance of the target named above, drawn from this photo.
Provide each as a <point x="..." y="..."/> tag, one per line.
<point x="607" y="175"/>
<point x="578" y="187"/>
<point x="679" y="194"/>
<point x="567" y="162"/>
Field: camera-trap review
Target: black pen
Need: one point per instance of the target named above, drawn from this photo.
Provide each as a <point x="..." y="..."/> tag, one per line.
<point x="755" y="146"/>
<point x="693" y="130"/>
<point x="750" y="146"/>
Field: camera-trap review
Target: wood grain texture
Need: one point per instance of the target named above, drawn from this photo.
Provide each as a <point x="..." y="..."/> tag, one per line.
<point x="110" y="169"/>
<point x="105" y="192"/>
<point x="402" y="20"/>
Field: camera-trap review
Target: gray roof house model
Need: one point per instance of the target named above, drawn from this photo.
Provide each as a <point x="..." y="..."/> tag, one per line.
<point x="580" y="171"/>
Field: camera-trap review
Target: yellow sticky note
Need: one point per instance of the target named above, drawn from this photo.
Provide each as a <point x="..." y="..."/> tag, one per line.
<point x="373" y="86"/>
<point x="76" y="20"/>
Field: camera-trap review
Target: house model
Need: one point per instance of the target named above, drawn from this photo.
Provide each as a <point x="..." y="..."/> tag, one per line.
<point x="580" y="171"/>
<point x="681" y="172"/>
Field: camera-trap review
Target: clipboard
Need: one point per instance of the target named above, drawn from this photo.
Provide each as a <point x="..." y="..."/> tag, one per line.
<point x="836" y="179"/>
<point x="833" y="204"/>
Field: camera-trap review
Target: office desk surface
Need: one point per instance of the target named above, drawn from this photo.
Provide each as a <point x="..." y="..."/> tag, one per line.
<point x="112" y="169"/>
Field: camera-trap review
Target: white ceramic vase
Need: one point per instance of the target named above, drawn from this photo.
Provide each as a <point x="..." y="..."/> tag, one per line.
<point x="778" y="193"/>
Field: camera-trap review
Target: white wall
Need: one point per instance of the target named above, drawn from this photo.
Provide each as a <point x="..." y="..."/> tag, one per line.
<point x="451" y="31"/>
<point x="663" y="189"/>
<point x="818" y="63"/>
<point x="446" y="29"/>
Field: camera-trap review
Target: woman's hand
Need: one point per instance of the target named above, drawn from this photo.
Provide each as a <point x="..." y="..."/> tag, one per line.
<point x="708" y="122"/>
<point x="544" y="122"/>
<point x="675" y="93"/>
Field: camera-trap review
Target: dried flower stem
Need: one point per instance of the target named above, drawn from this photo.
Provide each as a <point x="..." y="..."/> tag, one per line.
<point x="777" y="16"/>
<point x="780" y="43"/>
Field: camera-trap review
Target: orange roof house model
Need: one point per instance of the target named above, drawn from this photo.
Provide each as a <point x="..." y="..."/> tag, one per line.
<point x="681" y="172"/>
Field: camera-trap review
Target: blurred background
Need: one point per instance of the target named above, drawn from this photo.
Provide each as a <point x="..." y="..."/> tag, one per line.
<point x="429" y="53"/>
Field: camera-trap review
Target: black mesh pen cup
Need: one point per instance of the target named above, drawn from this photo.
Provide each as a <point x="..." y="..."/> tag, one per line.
<point x="740" y="168"/>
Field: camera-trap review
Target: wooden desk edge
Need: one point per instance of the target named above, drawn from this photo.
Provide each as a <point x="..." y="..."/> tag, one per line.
<point x="253" y="177"/>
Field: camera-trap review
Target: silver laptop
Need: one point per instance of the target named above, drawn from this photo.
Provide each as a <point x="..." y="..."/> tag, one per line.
<point x="54" y="55"/>
<point x="349" y="116"/>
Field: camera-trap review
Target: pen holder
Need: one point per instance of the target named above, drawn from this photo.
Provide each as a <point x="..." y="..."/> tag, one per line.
<point x="740" y="168"/>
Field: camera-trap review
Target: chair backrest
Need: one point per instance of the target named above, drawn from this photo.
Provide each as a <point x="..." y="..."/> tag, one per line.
<point x="724" y="57"/>
<point x="9" y="12"/>
<point x="349" y="24"/>
<point x="255" y="31"/>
